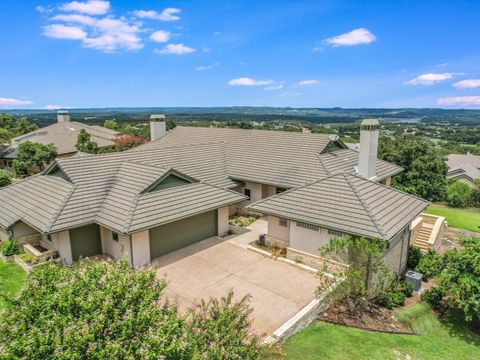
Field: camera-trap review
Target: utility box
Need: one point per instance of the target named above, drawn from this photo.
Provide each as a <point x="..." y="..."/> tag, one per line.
<point x="414" y="279"/>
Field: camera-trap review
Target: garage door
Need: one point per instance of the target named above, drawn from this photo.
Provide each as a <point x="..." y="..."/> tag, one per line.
<point x="176" y="235"/>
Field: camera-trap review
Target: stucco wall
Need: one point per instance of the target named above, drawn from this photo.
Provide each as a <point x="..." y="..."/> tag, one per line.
<point x="61" y="242"/>
<point x="141" y="248"/>
<point x="307" y="240"/>
<point x="396" y="256"/>
<point x="277" y="231"/>
<point x="4" y="235"/>
<point x="222" y="221"/>
<point x="117" y="249"/>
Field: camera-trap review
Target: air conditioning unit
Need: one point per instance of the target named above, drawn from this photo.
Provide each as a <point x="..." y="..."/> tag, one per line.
<point x="414" y="279"/>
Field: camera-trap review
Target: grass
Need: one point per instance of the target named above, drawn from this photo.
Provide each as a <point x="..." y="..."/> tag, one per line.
<point x="467" y="219"/>
<point x="448" y="338"/>
<point x="12" y="278"/>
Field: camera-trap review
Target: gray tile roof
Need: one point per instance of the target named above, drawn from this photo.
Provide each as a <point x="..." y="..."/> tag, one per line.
<point x="463" y="165"/>
<point x="107" y="188"/>
<point x="64" y="136"/>
<point x="347" y="203"/>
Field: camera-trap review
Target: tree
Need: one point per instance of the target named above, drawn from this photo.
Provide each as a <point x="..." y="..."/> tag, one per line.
<point x="458" y="194"/>
<point x="95" y="310"/>
<point x="30" y="154"/>
<point x="85" y="144"/>
<point x="365" y="280"/>
<point x="4" y="136"/>
<point x="6" y="178"/>
<point x="125" y="142"/>
<point x="110" y="124"/>
<point x="425" y="171"/>
<point x="11" y="127"/>
<point x="458" y="280"/>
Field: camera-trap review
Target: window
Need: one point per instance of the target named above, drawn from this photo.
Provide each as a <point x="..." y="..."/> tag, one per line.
<point x="246" y="192"/>
<point x="335" y="233"/>
<point x="115" y="236"/>
<point x="49" y="237"/>
<point x="307" y="226"/>
<point x="280" y="190"/>
<point x="283" y="222"/>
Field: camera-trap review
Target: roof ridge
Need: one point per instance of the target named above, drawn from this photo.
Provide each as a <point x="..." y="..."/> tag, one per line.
<point x="58" y="212"/>
<point x="365" y="205"/>
<point x="126" y="228"/>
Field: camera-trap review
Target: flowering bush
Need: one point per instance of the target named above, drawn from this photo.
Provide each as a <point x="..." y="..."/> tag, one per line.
<point x="96" y="310"/>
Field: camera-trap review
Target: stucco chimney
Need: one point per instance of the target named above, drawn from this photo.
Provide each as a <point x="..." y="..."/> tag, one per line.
<point x="63" y="116"/>
<point x="158" y="127"/>
<point x="367" y="164"/>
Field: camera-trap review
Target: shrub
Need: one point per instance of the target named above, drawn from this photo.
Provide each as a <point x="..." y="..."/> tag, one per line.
<point x="243" y="221"/>
<point x="414" y="256"/>
<point x="430" y="265"/>
<point x="433" y="296"/>
<point x="475" y="198"/>
<point x="95" y="310"/>
<point x="6" y="178"/>
<point x="10" y="247"/>
<point x="28" y="258"/>
<point x="396" y="294"/>
<point x="458" y="194"/>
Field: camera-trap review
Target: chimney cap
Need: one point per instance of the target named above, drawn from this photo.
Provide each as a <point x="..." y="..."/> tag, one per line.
<point x="157" y="117"/>
<point x="369" y="124"/>
<point x="62" y="112"/>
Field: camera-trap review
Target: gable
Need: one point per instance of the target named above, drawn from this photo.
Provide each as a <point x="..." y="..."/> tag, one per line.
<point x="169" y="181"/>
<point x="56" y="171"/>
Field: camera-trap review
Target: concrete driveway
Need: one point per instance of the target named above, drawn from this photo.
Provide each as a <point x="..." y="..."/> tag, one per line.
<point x="212" y="267"/>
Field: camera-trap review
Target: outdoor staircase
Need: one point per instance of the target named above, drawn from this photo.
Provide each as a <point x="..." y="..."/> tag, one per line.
<point x="427" y="232"/>
<point x="423" y="235"/>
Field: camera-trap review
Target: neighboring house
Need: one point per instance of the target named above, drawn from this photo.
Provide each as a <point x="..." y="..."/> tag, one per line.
<point x="181" y="188"/>
<point x="464" y="168"/>
<point x="63" y="134"/>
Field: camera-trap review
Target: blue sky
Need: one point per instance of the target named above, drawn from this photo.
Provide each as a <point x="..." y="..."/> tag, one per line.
<point x="219" y="53"/>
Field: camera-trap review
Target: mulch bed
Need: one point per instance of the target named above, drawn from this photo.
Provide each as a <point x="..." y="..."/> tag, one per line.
<point x="373" y="319"/>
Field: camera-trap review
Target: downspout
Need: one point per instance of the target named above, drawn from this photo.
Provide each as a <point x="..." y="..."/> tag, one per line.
<point x="131" y="252"/>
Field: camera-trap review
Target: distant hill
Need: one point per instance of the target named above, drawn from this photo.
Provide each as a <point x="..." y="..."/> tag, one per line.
<point x="247" y="113"/>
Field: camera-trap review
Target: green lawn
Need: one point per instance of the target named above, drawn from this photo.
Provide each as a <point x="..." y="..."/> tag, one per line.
<point x="445" y="339"/>
<point x="12" y="278"/>
<point x="467" y="219"/>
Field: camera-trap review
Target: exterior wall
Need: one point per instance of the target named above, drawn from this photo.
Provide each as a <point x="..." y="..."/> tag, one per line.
<point x="277" y="231"/>
<point x="222" y="221"/>
<point x="4" y="235"/>
<point x="306" y="240"/>
<point x="21" y="229"/>
<point x="256" y="193"/>
<point x="141" y="248"/>
<point x="117" y="249"/>
<point x="387" y="181"/>
<point x="396" y="255"/>
<point x="468" y="182"/>
<point x="314" y="261"/>
<point x="61" y="242"/>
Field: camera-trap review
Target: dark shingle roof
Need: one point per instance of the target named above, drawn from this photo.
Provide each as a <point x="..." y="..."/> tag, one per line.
<point x="347" y="203"/>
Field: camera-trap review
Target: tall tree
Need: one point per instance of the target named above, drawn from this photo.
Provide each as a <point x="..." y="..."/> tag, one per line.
<point x="85" y="144"/>
<point x="425" y="170"/>
<point x="5" y="178"/>
<point x="30" y="154"/>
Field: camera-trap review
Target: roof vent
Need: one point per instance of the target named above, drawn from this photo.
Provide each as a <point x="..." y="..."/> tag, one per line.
<point x="355" y="168"/>
<point x="333" y="137"/>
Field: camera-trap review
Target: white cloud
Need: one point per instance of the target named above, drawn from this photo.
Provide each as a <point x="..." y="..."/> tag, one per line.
<point x="467" y="84"/>
<point x="90" y="7"/>
<point x="207" y="67"/>
<point x="274" y="87"/>
<point x="166" y="15"/>
<point x="177" y="49"/>
<point x="430" y="78"/>
<point x="460" y="101"/>
<point x="285" y="94"/>
<point x="60" y="31"/>
<point x="160" y="36"/>
<point x="7" y="102"/>
<point x="355" y="37"/>
<point x="114" y="34"/>
<point x="43" y="9"/>
<point x="318" y="49"/>
<point x="76" y="18"/>
<point x="308" y="82"/>
<point x="246" y="81"/>
<point x="53" y="107"/>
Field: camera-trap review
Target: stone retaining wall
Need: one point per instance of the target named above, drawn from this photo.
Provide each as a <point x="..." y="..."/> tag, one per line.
<point x="314" y="261"/>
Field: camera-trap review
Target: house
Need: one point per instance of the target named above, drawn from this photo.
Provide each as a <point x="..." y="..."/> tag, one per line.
<point x="63" y="134"/>
<point x="464" y="168"/>
<point x="182" y="187"/>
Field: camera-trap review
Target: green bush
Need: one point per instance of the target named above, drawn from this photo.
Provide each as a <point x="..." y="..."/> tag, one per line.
<point x="10" y="247"/>
<point x="6" y="178"/>
<point x="458" y="194"/>
<point x="433" y="296"/>
<point x="475" y="198"/>
<point x="97" y="310"/>
<point x="243" y="221"/>
<point x="396" y="294"/>
<point x="29" y="258"/>
<point x="414" y="256"/>
<point x="430" y="265"/>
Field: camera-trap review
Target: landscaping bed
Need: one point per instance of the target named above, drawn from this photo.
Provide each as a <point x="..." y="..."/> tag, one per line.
<point x="242" y="221"/>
